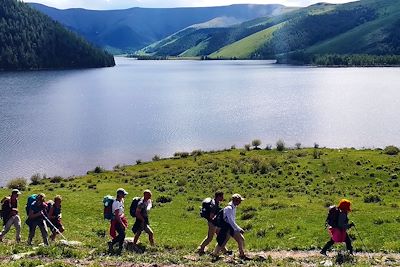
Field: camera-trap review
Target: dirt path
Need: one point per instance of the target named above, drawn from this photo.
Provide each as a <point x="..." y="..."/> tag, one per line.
<point x="303" y="258"/>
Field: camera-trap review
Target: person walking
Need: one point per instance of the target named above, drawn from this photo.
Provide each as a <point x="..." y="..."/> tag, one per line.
<point x="55" y="217"/>
<point x="210" y="208"/>
<point x="9" y="213"/>
<point x="36" y="212"/>
<point x="230" y="228"/>
<point x="142" y="218"/>
<point x="338" y="224"/>
<point x="119" y="223"/>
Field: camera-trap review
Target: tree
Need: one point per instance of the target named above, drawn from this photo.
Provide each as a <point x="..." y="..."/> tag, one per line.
<point x="256" y="143"/>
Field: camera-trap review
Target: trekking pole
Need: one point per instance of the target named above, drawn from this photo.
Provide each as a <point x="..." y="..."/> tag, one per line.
<point x="362" y="241"/>
<point x="55" y="228"/>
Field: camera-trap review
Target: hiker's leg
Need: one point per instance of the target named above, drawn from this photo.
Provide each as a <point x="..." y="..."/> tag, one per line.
<point x="17" y="225"/>
<point x="121" y="237"/>
<point x="327" y="246"/>
<point x="32" y="229"/>
<point x="348" y="244"/>
<point x="240" y="241"/>
<point x="150" y="232"/>
<point x="220" y="244"/>
<point x="6" y="228"/>
<point x="43" y="229"/>
<point x="224" y="249"/>
<point x="209" y="237"/>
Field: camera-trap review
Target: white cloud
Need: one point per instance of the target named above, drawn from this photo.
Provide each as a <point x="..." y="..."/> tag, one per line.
<point x="119" y="4"/>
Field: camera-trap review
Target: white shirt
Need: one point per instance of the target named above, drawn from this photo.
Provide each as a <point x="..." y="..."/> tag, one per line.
<point x="230" y="217"/>
<point x="118" y="205"/>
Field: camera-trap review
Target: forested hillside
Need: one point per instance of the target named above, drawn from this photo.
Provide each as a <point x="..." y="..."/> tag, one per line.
<point x="367" y="29"/>
<point x="31" y="40"/>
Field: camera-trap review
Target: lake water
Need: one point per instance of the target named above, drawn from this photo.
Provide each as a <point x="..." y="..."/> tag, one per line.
<point x="67" y="122"/>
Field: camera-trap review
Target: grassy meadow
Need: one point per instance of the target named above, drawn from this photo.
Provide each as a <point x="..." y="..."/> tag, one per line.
<point x="287" y="194"/>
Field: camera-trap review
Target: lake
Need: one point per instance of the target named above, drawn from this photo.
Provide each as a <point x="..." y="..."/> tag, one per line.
<point x="67" y="122"/>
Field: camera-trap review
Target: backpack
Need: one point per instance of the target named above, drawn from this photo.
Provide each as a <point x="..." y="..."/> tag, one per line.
<point x="219" y="220"/>
<point x="5" y="209"/>
<point x="31" y="199"/>
<point x="107" y="203"/>
<point x="206" y="207"/>
<point x="333" y="216"/>
<point x="134" y="205"/>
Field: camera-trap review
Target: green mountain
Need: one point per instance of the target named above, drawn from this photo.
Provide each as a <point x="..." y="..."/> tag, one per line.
<point x="134" y="28"/>
<point x="31" y="40"/>
<point x="362" y="27"/>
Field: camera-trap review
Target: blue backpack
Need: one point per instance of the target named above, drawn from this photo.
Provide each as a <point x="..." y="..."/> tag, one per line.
<point x="31" y="199"/>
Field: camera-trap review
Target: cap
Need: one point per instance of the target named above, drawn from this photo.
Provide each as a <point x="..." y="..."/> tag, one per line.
<point x="237" y="196"/>
<point x="121" y="191"/>
<point x="147" y="191"/>
<point x="16" y="191"/>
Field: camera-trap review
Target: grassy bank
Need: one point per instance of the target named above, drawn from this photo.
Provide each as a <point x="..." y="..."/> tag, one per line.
<point x="286" y="192"/>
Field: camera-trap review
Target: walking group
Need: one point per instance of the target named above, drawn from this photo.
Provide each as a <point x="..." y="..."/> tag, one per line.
<point x="221" y="222"/>
<point x="40" y="213"/>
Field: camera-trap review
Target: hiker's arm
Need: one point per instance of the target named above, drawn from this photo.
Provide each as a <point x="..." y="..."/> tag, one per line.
<point x="231" y="220"/>
<point x="33" y="215"/>
<point x="138" y="214"/>
<point x="51" y="212"/>
<point x="212" y="215"/>
<point x="118" y="218"/>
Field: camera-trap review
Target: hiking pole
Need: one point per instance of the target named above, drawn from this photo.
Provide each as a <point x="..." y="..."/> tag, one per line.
<point x="362" y="241"/>
<point x="55" y="228"/>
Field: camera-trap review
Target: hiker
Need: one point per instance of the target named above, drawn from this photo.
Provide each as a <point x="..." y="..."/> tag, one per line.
<point x="210" y="208"/>
<point x="338" y="224"/>
<point x="142" y="219"/>
<point x="229" y="227"/>
<point x="55" y="217"/>
<point x="9" y="213"/>
<point x="119" y="223"/>
<point x="36" y="212"/>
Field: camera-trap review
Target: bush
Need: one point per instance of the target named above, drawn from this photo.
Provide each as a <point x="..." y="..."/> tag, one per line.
<point x="372" y="199"/>
<point x="268" y="147"/>
<point x="316" y="145"/>
<point x="256" y="143"/>
<point x="197" y="152"/>
<point x="181" y="154"/>
<point x="316" y="154"/>
<point x="138" y="161"/>
<point x="391" y="150"/>
<point x="181" y="181"/>
<point x="56" y="179"/>
<point x="18" y="183"/>
<point x="164" y="199"/>
<point x="36" y="179"/>
<point x="247" y="147"/>
<point x="98" y="169"/>
<point x="156" y="158"/>
<point x="298" y="145"/>
<point x="280" y="145"/>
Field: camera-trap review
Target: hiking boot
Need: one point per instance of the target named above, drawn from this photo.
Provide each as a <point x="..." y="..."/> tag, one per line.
<point x="244" y="257"/>
<point x="323" y="252"/>
<point x="228" y="252"/>
<point x="201" y="252"/>
<point x="215" y="258"/>
<point x="110" y="246"/>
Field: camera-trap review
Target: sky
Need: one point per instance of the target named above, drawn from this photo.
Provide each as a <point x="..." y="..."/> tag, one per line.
<point x="121" y="4"/>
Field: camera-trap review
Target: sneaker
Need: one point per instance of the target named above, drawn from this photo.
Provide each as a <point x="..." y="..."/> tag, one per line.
<point x="215" y="258"/>
<point x="200" y="252"/>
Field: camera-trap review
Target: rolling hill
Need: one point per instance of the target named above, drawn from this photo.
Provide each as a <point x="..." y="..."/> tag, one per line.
<point x="134" y="28"/>
<point x="31" y="40"/>
<point x="362" y="27"/>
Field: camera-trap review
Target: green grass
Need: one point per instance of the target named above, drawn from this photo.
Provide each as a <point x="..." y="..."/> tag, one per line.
<point x="289" y="191"/>
<point x="243" y="48"/>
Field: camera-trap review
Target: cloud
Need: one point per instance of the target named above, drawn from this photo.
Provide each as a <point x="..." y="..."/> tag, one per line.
<point x="121" y="4"/>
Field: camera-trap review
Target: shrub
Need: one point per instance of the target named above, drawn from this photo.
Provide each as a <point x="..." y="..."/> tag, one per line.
<point x="181" y="181"/>
<point x="98" y="169"/>
<point x="181" y="154"/>
<point x="391" y="150"/>
<point x="164" y="199"/>
<point x="280" y="145"/>
<point x="156" y="158"/>
<point x="247" y="147"/>
<point x="372" y="199"/>
<point x="197" y="152"/>
<point x="268" y="147"/>
<point x="233" y="147"/>
<point x="316" y="154"/>
<point x="298" y="145"/>
<point x="36" y="179"/>
<point x="256" y="143"/>
<point x="138" y="161"/>
<point x="17" y="183"/>
<point x="316" y="145"/>
<point x="56" y="179"/>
